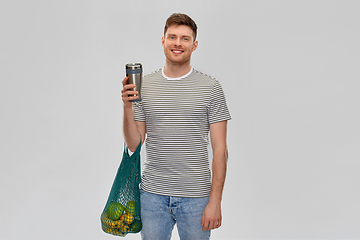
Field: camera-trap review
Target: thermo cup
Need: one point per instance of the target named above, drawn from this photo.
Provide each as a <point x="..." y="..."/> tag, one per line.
<point x="134" y="72"/>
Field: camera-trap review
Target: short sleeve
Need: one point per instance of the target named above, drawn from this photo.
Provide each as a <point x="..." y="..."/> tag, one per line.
<point x="217" y="109"/>
<point x="138" y="110"/>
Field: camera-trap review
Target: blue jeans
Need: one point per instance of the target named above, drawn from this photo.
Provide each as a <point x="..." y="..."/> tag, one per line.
<point x="160" y="213"/>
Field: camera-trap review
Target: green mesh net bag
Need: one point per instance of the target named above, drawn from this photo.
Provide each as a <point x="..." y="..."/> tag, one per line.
<point x="121" y="214"/>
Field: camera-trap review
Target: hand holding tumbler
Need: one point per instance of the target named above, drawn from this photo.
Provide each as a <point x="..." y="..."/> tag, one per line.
<point x="134" y="72"/>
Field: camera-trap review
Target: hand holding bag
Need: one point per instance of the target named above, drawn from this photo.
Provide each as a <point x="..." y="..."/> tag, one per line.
<point x="121" y="214"/>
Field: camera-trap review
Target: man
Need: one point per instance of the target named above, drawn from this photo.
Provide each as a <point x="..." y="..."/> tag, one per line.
<point x="179" y="107"/>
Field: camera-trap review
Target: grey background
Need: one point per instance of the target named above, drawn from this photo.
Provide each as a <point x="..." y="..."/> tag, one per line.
<point x="290" y="71"/>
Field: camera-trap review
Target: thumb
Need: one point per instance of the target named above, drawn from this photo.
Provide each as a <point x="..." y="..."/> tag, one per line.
<point x="203" y="220"/>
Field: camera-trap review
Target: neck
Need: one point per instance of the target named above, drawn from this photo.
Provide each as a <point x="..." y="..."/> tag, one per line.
<point x="172" y="70"/>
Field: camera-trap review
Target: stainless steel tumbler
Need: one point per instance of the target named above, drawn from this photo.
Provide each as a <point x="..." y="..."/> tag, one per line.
<point x="134" y="72"/>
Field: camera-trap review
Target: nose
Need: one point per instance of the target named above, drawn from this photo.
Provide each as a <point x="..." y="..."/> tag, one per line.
<point x="178" y="42"/>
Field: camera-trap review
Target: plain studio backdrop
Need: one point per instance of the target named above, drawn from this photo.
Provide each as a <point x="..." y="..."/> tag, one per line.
<point x="290" y="72"/>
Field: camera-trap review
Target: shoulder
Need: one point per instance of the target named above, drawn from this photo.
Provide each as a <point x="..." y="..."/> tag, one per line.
<point x="153" y="74"/>
<point x="205" y="78"/>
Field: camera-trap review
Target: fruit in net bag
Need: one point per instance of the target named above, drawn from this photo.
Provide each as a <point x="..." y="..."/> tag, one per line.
<point x="116" y="219"/>
<point x="135" y="226"/>
<point x="115" y="210"/>
<point x="124" y="229"/>
<point x="130" y="207"/>
<point x="106" y="221"/>
<point x="127" y="218"/>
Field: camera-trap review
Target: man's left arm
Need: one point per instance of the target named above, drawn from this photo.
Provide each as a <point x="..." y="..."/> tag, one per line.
<point x="212" y="214"/>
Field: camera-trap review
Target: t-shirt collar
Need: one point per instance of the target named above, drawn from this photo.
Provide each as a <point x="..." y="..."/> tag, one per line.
<point x="178" y="78"/>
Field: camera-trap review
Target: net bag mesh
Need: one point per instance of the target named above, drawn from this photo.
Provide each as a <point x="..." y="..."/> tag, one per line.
<point x="121" y="214"/>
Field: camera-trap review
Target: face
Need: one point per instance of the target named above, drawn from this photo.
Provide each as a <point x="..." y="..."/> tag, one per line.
<point x="178" y="44"/>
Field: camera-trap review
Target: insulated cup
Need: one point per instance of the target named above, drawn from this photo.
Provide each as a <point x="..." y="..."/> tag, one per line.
<point x="134" y="72"/>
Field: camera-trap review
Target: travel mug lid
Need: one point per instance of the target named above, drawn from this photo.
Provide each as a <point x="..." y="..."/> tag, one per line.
<point x="133" y="66"/>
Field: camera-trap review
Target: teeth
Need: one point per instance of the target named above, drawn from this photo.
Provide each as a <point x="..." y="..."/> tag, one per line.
<point x="177" y="51"/>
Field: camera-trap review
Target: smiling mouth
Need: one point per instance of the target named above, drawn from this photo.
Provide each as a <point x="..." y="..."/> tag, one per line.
<point x="177" y="51"/>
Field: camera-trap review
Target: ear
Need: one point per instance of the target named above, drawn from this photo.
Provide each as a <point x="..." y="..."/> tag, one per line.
<point x="195" y="45"/>
<point x="163" y="41"/>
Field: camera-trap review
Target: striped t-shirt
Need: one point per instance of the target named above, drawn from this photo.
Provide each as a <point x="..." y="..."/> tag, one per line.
<point x="177" y="113"/>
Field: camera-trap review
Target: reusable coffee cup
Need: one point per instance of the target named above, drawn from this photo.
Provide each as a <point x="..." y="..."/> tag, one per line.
<point x="134" y="72"/>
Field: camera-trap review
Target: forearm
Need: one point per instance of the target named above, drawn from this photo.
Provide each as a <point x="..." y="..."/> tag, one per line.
<point x="212" y="214"/>
<point x="132" y="135"/>
<point x="219" y="174"/>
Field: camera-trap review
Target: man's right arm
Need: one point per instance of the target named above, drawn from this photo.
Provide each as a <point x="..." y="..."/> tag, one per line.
<point x="133" y="130"/>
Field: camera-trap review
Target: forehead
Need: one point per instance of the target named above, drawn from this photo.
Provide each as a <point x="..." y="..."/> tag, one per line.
<point x="181" y="30"/>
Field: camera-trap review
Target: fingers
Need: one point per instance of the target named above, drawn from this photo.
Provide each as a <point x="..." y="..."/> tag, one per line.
<point x="215" y="224"/>
<point x="128" y="93"/>
<point x="210" y="224"/>
<point x="124" y="82"/>
<point x="124" y="91"/>
<point x="203" y="221"/>
<point x="218" y="223"/>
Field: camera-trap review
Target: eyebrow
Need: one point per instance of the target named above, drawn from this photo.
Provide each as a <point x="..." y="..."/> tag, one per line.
<point x="172" y="34"/>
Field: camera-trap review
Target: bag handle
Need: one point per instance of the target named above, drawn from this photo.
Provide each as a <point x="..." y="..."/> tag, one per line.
<point x="134" y="157"/>
<point x="137" y="151"/>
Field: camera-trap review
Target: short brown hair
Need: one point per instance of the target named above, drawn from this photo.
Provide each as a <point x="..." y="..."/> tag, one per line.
<point x="181" y="19"/>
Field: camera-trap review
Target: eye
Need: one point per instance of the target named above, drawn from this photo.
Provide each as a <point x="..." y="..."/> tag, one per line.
<point x="185" y="39"/>
<point x="171" y="37"/>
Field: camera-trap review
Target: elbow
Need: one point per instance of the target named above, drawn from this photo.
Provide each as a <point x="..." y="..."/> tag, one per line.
<point x="220" y="154"/>
<point x="132" y="146"/>
<point x="132" y="149"/>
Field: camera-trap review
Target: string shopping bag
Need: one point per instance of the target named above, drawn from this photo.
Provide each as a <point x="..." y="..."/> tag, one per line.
<point x="121" y="214"/>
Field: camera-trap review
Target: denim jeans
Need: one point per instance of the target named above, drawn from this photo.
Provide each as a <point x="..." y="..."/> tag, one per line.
<point x="160" y="213"/>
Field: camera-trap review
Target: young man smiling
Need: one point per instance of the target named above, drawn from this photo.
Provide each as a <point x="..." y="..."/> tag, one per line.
<point x="178" y="43"/>
<point x="179" y="107"/>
